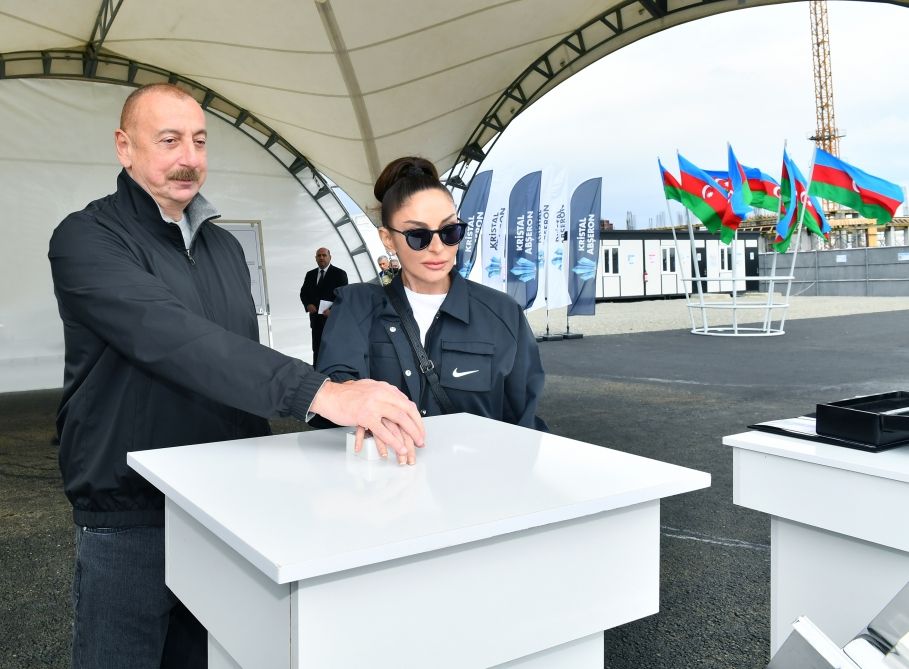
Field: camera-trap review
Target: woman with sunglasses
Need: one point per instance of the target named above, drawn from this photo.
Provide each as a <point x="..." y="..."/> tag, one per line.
<point x="480" y="348"/>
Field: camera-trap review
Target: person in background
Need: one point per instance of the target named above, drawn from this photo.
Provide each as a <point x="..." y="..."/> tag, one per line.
<point x="385" y="273"/>
<point x="482" y="351"/>
<point x="161" y="350"/>
<point x="395" y="265"/>
<point x="319" y="286"/>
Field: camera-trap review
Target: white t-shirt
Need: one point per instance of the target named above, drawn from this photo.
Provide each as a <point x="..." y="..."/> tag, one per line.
<point x="425" y="308"/>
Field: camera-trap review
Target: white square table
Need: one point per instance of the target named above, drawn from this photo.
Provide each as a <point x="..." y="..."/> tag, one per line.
<point x="502" y="546"/>
<point x="839" y="534"/>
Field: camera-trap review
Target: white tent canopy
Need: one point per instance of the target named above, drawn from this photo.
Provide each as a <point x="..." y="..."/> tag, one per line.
<point x="351" y="84"/>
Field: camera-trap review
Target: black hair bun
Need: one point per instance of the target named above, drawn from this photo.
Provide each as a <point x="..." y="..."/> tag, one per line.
<point x="419" y="172"/>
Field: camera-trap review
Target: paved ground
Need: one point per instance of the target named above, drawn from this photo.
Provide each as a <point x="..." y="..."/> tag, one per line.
<point x="656" y="390"/>
<point x="674" y="314"/>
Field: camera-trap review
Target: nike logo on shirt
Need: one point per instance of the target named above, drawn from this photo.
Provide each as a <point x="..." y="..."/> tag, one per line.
<point x="455" y="373"/>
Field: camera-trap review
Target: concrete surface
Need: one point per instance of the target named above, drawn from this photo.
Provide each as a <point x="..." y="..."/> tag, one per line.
<point x="650" y="388"/>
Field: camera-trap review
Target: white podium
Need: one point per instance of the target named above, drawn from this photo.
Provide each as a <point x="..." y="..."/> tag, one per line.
<point x="501" y="546"/>
<point x="839" y="537"/>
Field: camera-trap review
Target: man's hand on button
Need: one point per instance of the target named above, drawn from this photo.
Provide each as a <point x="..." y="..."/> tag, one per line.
<point x="376" y="406"/>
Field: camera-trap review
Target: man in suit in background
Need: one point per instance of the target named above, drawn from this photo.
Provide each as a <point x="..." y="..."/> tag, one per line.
<point x="319" y="285"/>
<point x="385" y="273"/>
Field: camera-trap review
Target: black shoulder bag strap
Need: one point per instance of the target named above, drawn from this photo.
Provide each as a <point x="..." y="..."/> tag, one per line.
<point x="426" y="365"/>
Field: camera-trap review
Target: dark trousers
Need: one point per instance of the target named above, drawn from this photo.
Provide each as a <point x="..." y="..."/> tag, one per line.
<point x="317" y="323"/>
<point x="125" y="616"/>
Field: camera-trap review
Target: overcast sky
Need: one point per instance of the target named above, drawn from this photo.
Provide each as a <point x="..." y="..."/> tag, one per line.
<point x="744" y="77"/>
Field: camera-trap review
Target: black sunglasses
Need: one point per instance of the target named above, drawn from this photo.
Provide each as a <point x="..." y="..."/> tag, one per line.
<point x="420" y="238"/>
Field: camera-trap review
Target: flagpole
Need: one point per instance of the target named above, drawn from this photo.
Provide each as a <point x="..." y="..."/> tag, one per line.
<point x="678" y="262"/>
<point x="567" y="334"/>
<point x="799" y="232"/>
<point x="769" y="312"/>
<point x="546" y="275"/>
<point x="546" y="260"/>
<point x="798" y="242"/>
<point x="735" y="241"/>
<point x="697" y="268"/>
<point x="565" y="257"/>
<point x="768" y="316"/>
<point x="735" y="292"/>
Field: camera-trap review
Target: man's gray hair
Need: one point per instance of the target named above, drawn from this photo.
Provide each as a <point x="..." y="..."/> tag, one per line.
<point x="381" y="258"/>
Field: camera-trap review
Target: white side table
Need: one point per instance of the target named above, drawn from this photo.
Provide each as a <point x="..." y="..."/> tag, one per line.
<point x="839" y="528"/>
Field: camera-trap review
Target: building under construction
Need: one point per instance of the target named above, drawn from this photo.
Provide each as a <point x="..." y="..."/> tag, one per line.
<point x="846" y="232"/>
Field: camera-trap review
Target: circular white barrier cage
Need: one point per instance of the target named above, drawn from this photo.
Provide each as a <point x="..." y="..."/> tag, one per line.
<point x="764" y="316"/>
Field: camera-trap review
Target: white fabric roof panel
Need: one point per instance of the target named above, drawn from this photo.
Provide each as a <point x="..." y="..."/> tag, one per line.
<point x="425" y="72"/>
<point x="350" y="84"/>
<point x="45" y="24"/>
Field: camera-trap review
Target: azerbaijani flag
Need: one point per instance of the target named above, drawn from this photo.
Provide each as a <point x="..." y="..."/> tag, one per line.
<point x="808" y="211"/>
<point x="813" y="217"/>
<point x="765" y="191"/>
<point x="706" y="199"/>
<point x="730" y="218"/>
<point x="736" y="190"/>
<point x="740" y="191"/>
<point x="671" y="187"/>
<point x="721" y="177"/>
<point x="838" y="181"/>
<point x="787" y="222"/>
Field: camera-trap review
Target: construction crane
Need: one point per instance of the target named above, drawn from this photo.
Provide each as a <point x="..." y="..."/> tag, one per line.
<point x="826" y="135"/>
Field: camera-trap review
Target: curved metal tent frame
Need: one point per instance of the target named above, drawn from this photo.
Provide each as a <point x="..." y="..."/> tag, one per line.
<point x="351" y="84"/>
<point x="618" y="26"/>
<point x="621" y="24"/>
<point x="89" y="65"/>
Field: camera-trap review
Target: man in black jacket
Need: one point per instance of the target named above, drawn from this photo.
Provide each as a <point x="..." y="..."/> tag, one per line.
<point x="319" y="286"/>
<point x="162" y="350"/>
